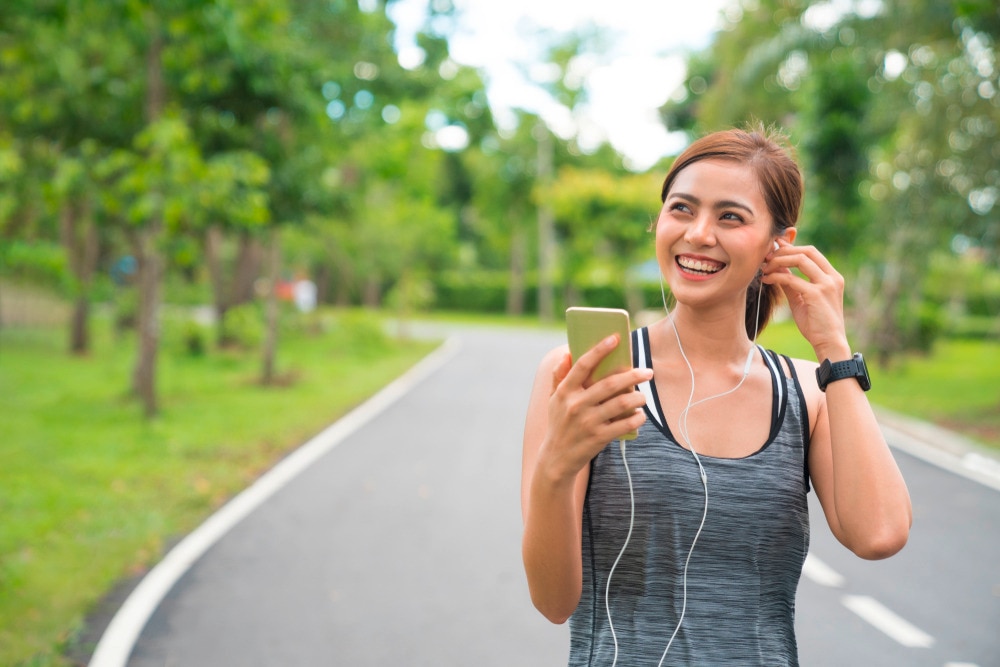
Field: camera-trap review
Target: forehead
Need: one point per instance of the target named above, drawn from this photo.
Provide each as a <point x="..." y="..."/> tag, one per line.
<point x="712" y="178"/>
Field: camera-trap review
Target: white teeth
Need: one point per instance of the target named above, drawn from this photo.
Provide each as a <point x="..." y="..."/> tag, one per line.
<point x="698" y="266"/>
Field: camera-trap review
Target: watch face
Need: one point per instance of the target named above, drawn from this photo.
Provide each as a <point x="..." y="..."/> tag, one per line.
<point x="863" y="378"/>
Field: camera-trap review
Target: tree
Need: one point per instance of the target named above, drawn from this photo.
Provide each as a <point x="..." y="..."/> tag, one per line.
<point x="604" y="221"/>
<point x="894" y="111"/>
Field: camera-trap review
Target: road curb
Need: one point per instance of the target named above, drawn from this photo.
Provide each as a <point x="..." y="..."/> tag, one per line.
<point x="941" y="447"/>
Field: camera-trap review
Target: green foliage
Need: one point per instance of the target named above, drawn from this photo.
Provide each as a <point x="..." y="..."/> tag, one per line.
<point x="964" y="287"/>
<point x="475" y="291"/>
<point x="486" y="292"/>
<point x="39" y="262"/>
<point x="360" y="331"/>
<point x="895" y="114"/>
<point x="186" y="335"/>
<point x="242" y="327"/>
<point x="834" y="145"/>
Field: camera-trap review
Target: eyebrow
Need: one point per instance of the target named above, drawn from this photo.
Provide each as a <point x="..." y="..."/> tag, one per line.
<point x="725" y="203"/>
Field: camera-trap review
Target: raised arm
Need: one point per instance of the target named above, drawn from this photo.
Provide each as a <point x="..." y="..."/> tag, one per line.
<point x="855" y="476"/>
<point x="567" y="425"/>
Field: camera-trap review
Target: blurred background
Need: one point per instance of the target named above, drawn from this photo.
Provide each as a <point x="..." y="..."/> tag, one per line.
<point x="219" y="221"/>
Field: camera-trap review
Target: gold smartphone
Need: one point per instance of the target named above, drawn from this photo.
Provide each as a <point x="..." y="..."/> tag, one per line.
<point x="586" y="327"/>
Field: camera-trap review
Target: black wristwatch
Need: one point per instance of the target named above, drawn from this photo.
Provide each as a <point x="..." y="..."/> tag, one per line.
<point x="841" y="370"/>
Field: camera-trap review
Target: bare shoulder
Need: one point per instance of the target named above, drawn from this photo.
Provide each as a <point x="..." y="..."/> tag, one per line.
<point x="815" y="399"/>
<point x="550" y="362"/>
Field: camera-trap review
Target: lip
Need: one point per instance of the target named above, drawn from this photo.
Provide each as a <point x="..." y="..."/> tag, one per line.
<point x="690" y="259"/>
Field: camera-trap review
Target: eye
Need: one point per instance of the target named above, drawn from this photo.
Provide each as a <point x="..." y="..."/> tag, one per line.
<point x="733" y="217"/>
<point x="680" y="206"/>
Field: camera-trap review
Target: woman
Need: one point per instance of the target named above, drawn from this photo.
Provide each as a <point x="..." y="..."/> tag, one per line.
<point x="685" y="546"/>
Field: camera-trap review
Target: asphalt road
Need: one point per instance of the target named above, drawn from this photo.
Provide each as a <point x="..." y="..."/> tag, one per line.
<point x="401" y="546"/>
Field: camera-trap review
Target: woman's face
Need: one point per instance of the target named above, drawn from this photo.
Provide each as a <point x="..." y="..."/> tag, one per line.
<point x="713" y="232"/>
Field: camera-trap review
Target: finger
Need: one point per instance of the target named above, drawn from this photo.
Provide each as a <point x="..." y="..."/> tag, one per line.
<point x="814" y="254"/>
<point x="588" y="361"/>
<point x="618" y="383"/>
<point x="621" y="405"/>
<point x="807" y="259"/>
<point x="621" y="424"/>
<point x="560" y="372"/>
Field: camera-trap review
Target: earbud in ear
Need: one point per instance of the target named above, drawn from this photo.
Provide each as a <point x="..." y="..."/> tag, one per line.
<point x="776" y="246"/>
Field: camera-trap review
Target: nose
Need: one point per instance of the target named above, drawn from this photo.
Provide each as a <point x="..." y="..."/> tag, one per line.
<point x="701" y="231"/>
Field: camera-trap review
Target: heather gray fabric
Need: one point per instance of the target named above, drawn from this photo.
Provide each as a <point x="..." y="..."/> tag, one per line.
<point x="746" y="565"/>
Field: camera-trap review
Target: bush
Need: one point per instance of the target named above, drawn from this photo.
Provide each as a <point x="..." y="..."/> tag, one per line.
<point x="486" y="292"/>
<point x="41" y="263"/>
<point x="181" y="331"/>
<point x="478" y="291"/>
<point x="360" y="331"/>
<point x="243" y="327"/>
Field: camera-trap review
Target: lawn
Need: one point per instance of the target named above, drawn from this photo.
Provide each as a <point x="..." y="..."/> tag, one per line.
<point x="90" y="492"/>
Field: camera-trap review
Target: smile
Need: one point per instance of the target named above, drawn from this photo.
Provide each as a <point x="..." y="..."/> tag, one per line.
<point x="700" y="266"/>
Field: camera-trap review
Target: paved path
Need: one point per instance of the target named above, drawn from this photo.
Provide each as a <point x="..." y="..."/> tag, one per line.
<point x="396" y="542"/>
<point x="399" y="546"/>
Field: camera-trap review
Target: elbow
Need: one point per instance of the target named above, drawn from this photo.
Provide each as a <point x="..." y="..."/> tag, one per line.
<point x="885" y="544"/>
<point x="556" y="618"/>
<point x="553" y="612"/>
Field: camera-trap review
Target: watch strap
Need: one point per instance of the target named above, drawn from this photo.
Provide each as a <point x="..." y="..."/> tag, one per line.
<point x="841" y="370"/>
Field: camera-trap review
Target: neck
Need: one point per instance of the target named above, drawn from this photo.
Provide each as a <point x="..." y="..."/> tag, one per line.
<point x="715" y="338"/>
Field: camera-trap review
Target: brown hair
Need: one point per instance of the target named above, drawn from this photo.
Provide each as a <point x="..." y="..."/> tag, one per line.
<point x="767" y="153"/>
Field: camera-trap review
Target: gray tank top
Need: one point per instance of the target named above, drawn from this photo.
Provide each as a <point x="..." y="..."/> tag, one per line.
<point x="746" y="565"/>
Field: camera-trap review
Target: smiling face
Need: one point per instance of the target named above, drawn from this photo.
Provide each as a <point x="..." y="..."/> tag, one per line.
<point x="713" y="232"/>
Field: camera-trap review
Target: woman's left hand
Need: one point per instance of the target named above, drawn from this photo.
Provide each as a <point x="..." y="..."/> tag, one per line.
<point x="816" y="298"/>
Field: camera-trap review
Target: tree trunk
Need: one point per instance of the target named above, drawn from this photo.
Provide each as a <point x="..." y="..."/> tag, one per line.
<point x="213" y="262"/>
<point x="323" y="283"/>
<point x="249" y="259"/>
<point x="81" y="240"/>
<point x="372" y="292"/>
<point x="634" y="301"/>
<point x="518" y="263"/>
<point x="147" y="318"/>
<point x="147" y="251"/>
<point x="546" y="229"/>
<point x="267" y="376"/>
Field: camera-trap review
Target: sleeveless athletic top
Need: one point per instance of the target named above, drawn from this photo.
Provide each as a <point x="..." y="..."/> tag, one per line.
<point x="746" y="564"/>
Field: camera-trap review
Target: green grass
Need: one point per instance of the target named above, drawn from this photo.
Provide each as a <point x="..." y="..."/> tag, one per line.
<point x="91" y="493"/>
<point x="956" y="386"/>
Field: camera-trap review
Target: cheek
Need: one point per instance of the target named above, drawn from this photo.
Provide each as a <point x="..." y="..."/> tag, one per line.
<point x="662" y="241"/>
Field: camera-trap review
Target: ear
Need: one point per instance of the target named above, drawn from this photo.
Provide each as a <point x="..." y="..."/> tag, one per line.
<point x="789" y="234"/>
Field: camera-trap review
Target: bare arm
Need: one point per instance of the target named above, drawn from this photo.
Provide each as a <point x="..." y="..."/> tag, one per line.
<point x="567" y="425"/>
<point x="856" y="478"/>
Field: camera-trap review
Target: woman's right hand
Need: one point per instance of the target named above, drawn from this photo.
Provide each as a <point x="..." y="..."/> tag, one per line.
<point x="569" y="421"/>
<point x="584" y="416"/>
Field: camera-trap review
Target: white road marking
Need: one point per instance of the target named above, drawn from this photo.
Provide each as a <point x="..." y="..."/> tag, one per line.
<point x="960" y="664"/>
<point x="885" y="620"/>
<point x="119" y="638"/>
<point x="821" y="573"/>
<point x="982" y="465"/>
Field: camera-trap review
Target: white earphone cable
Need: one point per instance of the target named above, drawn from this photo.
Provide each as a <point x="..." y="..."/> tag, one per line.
<point x="685" y="434"/>
<point x="611" y="572"/>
